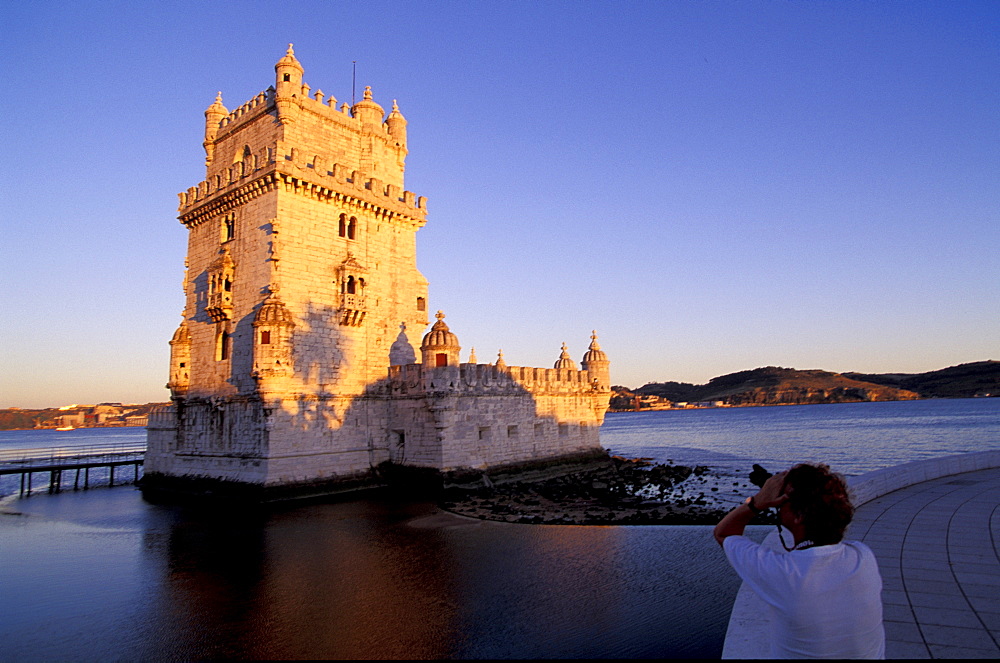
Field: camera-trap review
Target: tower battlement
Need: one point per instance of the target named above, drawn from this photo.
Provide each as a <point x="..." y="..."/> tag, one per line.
<point x="313" y="174"/>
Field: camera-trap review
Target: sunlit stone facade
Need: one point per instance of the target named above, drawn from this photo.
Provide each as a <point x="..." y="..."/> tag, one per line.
<point x="298" y="362"/>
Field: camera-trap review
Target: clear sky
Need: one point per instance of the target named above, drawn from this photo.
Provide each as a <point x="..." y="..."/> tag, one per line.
<point x="713" y="186"/>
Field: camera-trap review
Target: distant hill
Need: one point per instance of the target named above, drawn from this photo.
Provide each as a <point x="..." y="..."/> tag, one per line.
<point x="980" y="378"/>
<point x="773" y="385"/>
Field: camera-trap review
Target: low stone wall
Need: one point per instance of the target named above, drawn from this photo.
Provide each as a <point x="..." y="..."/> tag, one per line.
<point x="747" y="636"/>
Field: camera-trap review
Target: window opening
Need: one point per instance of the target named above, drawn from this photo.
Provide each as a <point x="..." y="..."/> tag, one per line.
<point x="441" y="359"/>
<point x="265" y="337"/>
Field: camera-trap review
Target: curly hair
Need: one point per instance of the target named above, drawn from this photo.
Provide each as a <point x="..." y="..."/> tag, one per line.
<point x="819" y="497"/>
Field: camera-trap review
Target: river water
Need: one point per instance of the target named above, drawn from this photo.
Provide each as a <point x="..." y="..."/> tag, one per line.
<point x="102" y="574"/>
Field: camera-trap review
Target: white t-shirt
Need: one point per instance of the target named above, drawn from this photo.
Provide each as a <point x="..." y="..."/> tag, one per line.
<point x="826" y="601"/>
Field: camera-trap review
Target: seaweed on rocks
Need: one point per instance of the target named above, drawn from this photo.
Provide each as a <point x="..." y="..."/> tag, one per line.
<point x="622" y="492"/>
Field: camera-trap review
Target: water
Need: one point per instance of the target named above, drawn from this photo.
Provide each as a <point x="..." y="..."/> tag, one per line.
<point x="103" y="574"/>
<point x="852" y="438"/>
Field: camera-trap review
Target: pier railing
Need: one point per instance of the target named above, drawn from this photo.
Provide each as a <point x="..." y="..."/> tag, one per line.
<point x="56" y="460"/>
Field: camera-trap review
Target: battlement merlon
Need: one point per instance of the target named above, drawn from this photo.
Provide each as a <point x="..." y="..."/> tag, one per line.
<point x="259" y="173"/>
<point x="415" y="378"/>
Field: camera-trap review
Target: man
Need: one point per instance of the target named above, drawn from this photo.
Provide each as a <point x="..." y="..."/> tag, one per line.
<point x="825" y="593"/>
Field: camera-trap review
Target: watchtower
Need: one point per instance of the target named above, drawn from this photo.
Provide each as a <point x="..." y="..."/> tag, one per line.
<point x="301" y="269"/>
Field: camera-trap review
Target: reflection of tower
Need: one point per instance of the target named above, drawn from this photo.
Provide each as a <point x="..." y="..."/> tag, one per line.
<point x="299" y="191"/>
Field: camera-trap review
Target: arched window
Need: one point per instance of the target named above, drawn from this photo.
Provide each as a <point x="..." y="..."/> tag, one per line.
<point x="221" y="343"/>
<point x="421" y="304"/>
<point x="352" y="228"/>
<point x="342" y="226"/>
<point x="351" y="285"/>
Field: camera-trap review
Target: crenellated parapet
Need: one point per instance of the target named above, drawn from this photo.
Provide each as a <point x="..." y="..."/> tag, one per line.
<point x="484" y="379"/>
<point x="312" y="175"/>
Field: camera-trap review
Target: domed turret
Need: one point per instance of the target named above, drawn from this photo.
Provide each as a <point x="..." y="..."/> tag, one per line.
<point x="288" y="84"/>
<point x="564" y="360"/>
<point x="272" y="355"/>
<point x="596" y="363"/>
<point x="367" y="110"/>
<point x="440" y="347"/>
<point x="396" y="124"/>
<point x="180" y="361"/>
<point x="213" y="116"/>
<point x="273" y="313"/>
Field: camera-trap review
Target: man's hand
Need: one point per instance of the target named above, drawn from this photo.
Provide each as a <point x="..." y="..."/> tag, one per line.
<point x="772" y="493"/>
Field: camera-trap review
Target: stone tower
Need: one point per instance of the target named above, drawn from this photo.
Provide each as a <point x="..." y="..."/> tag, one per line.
<point x="301" y="269"/>
<point x="298" y="362"/>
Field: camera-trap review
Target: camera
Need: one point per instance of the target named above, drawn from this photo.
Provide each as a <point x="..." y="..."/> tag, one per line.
<point x="759" y="476"/>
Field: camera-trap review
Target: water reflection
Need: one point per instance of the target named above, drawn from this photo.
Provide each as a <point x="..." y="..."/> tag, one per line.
<point x="363" y="579"/>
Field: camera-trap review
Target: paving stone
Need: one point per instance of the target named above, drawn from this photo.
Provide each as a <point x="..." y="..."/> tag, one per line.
<point x="900" y="649"/>
<point x="955" y="636"/>
<point x="904" y="631"/>
<point x="942" y="651"/>
<point x="941" y="616"/>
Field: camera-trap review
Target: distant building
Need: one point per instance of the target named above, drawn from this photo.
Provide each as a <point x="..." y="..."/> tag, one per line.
<point x="296" y="364"/>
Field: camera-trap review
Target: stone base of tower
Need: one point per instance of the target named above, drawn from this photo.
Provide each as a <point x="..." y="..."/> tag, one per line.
<point x="158" y="487"/>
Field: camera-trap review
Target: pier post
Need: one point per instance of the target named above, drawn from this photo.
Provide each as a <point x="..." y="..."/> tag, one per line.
<point x="111" y="481"/>
<point x="76" y="480"/>
<point x="29" y="482"/>
<point x="86" y="478"/>
<point x="22" y="484"/>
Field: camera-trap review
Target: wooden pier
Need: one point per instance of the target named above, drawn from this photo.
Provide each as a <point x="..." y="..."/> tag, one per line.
<point x="57" y="460"/>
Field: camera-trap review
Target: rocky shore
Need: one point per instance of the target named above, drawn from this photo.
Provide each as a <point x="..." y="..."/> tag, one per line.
<point x="624" y="492"/>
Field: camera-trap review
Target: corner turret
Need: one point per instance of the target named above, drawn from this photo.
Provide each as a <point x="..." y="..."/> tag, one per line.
<point x="180" y="361"/>
<point x="213" y="116"/>
<point x="272" y="349"/>
<point x="596" y="363"/>
<point x="288" y="84"/>
<point x="396" y="124"/>
<point x="367" y="110"/>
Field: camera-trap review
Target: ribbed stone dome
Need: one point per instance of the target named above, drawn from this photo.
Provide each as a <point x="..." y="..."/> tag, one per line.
<point x="594" y="353"/>
<point x="564" y="360"/>
<point x="440" y="337"/>
<point x="273" y="312"/>
<point x="181" y="335"/>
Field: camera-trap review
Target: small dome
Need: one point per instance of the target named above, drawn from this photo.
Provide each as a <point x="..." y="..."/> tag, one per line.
<point x="367" y="110"/>
<point x="217" y="108"/>
<point x="289" y="60"/>
<point x="273" y="312"/>
<point x="181" y="335"/>
<point x="439" y="337"/>
<point x="395" y="119"/>
<point x="594" y="353"/>
<point x="564" y="360"/>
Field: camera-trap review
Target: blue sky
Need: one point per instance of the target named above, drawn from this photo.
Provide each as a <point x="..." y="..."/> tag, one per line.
<point x="713" y="186"/>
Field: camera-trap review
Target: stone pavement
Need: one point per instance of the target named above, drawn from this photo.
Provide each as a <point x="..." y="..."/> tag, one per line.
<point x="938" y="547"/>
<point x="935" y="529"/>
